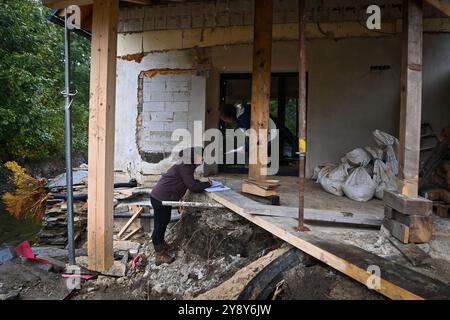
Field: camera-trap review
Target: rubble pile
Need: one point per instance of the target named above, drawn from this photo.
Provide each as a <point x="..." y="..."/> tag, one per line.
<point x="207" y="253"/>
<point x="54" y="224"/>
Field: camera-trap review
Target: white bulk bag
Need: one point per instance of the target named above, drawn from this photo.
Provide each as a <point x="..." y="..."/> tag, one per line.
<point x="358" y="157"/>
<point x="359" y="186"/>
<point x="332" y="179"/>
<point x="384" y="179"/>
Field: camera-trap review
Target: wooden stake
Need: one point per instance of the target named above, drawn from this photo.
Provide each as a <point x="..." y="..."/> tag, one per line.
<point x="262" y="62"/>
<point x="138" y="211"/>
<point x="101" y="134"/>
<point x="411" y="97"/>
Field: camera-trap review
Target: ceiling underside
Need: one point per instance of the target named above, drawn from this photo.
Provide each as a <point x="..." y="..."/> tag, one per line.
<point x="316" y="10"/>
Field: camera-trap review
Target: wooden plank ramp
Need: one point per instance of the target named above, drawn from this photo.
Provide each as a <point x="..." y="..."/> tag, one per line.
<point x="396" y="282"/>
<point x="242" y="204"/>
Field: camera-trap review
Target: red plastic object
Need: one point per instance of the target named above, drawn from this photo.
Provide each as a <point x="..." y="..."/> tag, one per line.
<point x="134" y="261"/>
<point x="24" y="250"/>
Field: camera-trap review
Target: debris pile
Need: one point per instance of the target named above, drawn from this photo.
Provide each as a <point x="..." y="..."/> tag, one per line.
<point x="54" y="231"/>
<point x="209" y="245"/>
<point x="54" y="224"/>
<point x="363" y="173"/>
<point x="438" y="190"/>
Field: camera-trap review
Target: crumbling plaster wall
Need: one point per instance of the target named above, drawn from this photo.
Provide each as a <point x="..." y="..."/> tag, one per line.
<point x="129" y="156"/>
<point x="346" y="101"/>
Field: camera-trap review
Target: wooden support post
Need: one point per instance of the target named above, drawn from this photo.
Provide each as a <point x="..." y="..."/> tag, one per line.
<point x="101" y="134"/>
<point x="262" y="62"/>
<point x="411" y="97"/>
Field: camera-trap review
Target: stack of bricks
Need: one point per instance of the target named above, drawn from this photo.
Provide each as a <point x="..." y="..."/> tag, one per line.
<point x="408" y="219"/>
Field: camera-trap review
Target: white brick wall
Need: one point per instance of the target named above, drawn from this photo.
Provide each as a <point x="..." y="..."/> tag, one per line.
<point x="165" y="108"/>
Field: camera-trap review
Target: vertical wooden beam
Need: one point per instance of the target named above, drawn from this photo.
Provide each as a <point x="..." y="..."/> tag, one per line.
<point x="262" y="63"/>
<point x="411" y="96"/>
<point x="101" y="134"/>
<point x="301" y="113"/>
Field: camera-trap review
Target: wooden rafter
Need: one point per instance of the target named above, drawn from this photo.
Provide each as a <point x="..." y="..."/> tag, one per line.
<point x="441" y="5"/>
<point x="60" y="4"/>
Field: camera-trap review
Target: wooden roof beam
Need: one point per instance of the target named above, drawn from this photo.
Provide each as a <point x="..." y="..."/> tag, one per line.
<point x="61" y="4"/>
<point x="441" y="5"/>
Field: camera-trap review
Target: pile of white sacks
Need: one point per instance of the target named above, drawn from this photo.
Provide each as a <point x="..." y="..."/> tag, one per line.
<point x="363" y="173"/>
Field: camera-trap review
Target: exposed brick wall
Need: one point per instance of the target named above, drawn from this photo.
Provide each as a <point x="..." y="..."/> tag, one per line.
<point x="164" y="107"/>
<point x="225" y="13"/>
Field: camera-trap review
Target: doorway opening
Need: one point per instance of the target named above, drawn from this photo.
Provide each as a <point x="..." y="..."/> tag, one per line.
<point x="237" y="88"/>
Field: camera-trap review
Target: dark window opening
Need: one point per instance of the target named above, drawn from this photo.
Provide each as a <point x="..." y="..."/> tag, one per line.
<point x="237" y="87"/>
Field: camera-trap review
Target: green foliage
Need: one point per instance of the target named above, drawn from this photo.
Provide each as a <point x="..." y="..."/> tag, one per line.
<point x="31" y="81"/>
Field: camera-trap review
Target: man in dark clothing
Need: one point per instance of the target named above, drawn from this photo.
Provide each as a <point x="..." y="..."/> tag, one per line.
<point x="171" y="187"/>
<point x="241" y="115"/>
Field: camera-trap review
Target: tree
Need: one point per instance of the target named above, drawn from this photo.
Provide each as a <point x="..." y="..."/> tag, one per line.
<point x="31" y="81"/>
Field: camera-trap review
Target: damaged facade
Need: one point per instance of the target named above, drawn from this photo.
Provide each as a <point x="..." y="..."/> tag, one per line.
<point x="347" y="88"/>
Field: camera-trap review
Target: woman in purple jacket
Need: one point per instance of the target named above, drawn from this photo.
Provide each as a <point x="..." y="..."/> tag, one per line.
<point x="171" y="187"/>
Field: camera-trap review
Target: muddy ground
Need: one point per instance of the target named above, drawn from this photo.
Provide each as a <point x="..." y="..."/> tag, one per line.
<point x="210" y="247"/>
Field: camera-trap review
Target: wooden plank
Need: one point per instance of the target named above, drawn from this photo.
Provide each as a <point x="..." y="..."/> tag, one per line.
<point x="262" y="64"/>
<point x="61" y="4"/>
<point x="136" y="214"/>
<point x="411" y="97"/>
<point x="132" y="233"/>
<point x="396" y="282"/>
<point x="411" y="252"/>
<point x="420" y="227"/>
<point x="441" y="5"/>
<point x="408" y="205"/>
<point x="328" y="216"/>
<point x="257" y="191"/>
<point x="242" y="204"/>
<point x="101" y="134"/>
<point x="397" y="229"/>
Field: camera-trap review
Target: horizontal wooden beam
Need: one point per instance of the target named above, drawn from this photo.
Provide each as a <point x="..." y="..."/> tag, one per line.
<point x="61" y="4"/>
<point x="441" y="5"/>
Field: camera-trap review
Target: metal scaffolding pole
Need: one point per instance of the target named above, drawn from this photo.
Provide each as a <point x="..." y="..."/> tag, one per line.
<point x="301" y="115"/>
<point x="68" y="139"/>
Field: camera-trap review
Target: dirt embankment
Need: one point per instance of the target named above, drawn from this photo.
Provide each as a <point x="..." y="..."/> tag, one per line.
<point x="210" y="246"/>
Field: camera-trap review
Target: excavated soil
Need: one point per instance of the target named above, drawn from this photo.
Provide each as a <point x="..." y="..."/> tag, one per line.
<point x="210" y="246"/>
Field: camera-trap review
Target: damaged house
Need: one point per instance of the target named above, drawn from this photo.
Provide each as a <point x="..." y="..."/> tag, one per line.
<point x="315" y="66"/>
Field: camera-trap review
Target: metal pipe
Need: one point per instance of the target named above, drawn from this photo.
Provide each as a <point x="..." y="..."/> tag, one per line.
<point x="146" y="216"/>
<point x="192" y="204"/>
<point x="301" y="115"/>
<point x="68" y="139"/>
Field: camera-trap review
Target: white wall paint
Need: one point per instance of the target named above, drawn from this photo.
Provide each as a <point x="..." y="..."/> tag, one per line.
<point x="346" y="101"/>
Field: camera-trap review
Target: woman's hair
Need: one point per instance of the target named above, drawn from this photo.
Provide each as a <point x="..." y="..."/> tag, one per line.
<point x="188" y="154"/>
<point x="227" y="111"/>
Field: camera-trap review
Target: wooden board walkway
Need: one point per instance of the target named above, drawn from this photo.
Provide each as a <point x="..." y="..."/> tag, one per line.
<point x="396" y="281"/>
<point x="242" y="204"/>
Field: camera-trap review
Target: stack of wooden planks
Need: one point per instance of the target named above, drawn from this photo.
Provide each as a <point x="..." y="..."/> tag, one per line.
<point x="262" y="188"/>
<point x="408" y="219"/>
